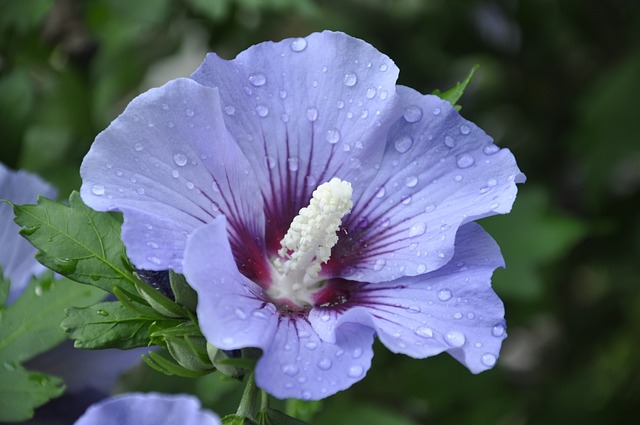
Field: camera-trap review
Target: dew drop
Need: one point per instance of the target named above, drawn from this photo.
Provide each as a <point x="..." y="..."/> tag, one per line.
<point x="464" y="130"/>
<point x="457" y="315"/>
<point x="444" y="295"/>
<point x="298" y="44"/>
<point x="458" y="178"/>
<point x="293" y="163"/>
<point x="154" y="260"/>
<point x="175" y="174"/>
<point x="492" y="182"/>
<point x="371" y="92"/>
<point x="189" y="112"/>
<point x="403" y="144"/>
<point x="411" y="181"/>
<point x="455" y="339"/>
<point x="262" y="111"/>
<point x="190" y="185"/>
<point x="180" y="159"/>
<point x="240" y="314"/>
<point x="379" y="264"/>
<point x="257" y="79"/>
<point x="324" y="364"/>
<point x="306" y="395"/>
<point x="340" y="104"/>
<point x="312" y="114"/>
<point x="490" y="149"/>
<point x="290" y="369"/>
<point x="464" y="161"/>
<point x="350" y="79"/>
<point x="97" y="189"/>
<point x="270" y="162"/>
<point x="421" y="268"/>
<point x="283" y="94"/>
<point x="429" y="208"/>
<point x="488" y="359"/>
<point x="285" y="117"/>
<point x="436" y="111"/>
<point x="355" y="371"/>
<point x="497" y="331"/>
<point x="357" y="353"/>
<point x="138" y="147"/>
<point x="417" y="229"/>
<point x="229" y="110"/>
<point x="333" y="136"/>
<point x="152" y="245"/>
<point x="383" y="67"/>
<point x="449" y="142"/>
<point x="311" y="345"/>
<point x="412" y="113"/>
<point x="424" y="332"/>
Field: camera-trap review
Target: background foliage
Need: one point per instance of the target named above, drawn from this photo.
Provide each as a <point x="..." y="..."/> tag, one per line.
<point x="558" y="84"/>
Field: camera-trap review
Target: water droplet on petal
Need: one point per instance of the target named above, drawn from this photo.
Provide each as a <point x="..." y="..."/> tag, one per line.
<point x="189" y="112"/>
<point x="411" y="181"/>
<point x="444" y="295"/>
<point x="436" y="111"/>
<point x="488" y="359"/>
<point x="324" y="364"/>
<point x="229" y="110"/>
<point x="421" y="268"/>
<point x="464" y="130"/>
<point x="417" y="229"/>
<point x="138" y="147"/>
<point x="290" y="369"/>
<point x="355" y="371"/>
<point x="357" y="353"/>
<point x="175" y="174"/>
<point x="262" y="111"/>
<point x="298" y="44"/>
<point x="180" y="159"/>
<point x="293" y="163"/>
<point x="333" y="136"/>
<point x="449" y="142"/>
<point x="464" y="161"/>
<point x="240" y="314"/>
<point x="97" y="189"/>
<point x="306" y="395"/>
<point x="350" y="79"/>
<point x="379" y="264"/>
<point x="155" y="260"/>
<point x="455" y="339"/>
<point x="424" y="332"/>
<point x="403" y="144"/>
<point x="140" y="191"/>
<point x="412" y="113"/>
<point x="270" y="162"/>
<point x="371" y="92"/>
<point x="490" y="149"/>
<point x="429" y="208"/>
<point x="312" y="114"/>
<point x="383" y="67"/>
<point x="257" y="79"/>
<point x="492" y="182"/>
<point x="497" y="331"/>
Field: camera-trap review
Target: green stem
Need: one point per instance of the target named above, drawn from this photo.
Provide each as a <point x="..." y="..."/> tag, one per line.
<point x="249" y="404"/>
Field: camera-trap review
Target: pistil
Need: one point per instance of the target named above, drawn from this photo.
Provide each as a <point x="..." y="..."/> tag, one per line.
<point x="308" y="243"/>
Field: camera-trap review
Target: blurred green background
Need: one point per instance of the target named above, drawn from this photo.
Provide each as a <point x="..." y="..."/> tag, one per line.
<point x="558" y="84"/>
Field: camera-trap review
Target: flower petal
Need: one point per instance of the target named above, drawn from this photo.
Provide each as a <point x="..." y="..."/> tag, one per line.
<point x="17" y="255"/>
<point x="451" y="309"/>
<point x="233" y="311"/>
<point x="439" y="171"/>
<point x="305" y="110"/>
<point x="298" y="364"/>
<point x="164" y="162"/>
<point x="148" y="409"/>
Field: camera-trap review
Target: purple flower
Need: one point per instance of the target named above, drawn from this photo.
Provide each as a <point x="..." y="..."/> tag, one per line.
<point x="17" y="255"/>
<point x="148" y="409"/>
<point x="312" y="204"/>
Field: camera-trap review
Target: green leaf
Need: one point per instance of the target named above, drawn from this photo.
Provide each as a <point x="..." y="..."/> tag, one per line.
<point x="77" y="242"/>
<point x="107" y="325"/>
<point x="159" y="302"/>
<point x="237" y="420"/>
<point x="185" y="295"/>
<point x="4" y="291"/>
<point x="455" y="93"/>
<point x="301" y="409"/>
<point x="21" y="391"/>
<point x="163" y="363"/>
<point x="31" y="325"/>
<point x="185" y="344"/>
